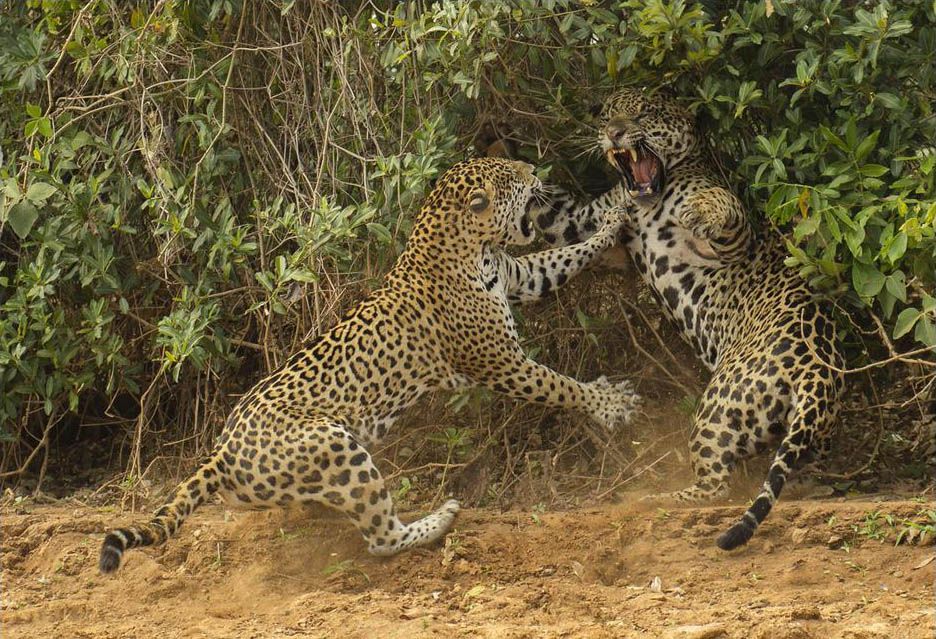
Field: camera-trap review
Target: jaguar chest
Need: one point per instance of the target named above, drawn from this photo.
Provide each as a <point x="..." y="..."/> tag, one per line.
<point x="688" y="284"/>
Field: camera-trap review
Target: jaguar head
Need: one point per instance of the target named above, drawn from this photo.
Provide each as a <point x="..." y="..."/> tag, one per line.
<point x="498" y="199"/>
<point x="643" y="136"/>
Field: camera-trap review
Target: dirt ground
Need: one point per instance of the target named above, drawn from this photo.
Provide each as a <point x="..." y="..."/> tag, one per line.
<point x="825" y="568"/>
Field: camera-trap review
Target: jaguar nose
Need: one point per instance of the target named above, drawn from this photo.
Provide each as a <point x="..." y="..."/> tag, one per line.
<point x="615" y="131"/>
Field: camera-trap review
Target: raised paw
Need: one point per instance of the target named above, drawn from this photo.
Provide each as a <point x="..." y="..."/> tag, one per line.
<point x="618" y="402"/>
<point x="613" y="219"/>
<point x="706" y="212"/>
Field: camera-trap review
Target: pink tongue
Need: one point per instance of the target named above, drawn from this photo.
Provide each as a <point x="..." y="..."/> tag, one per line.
<point x="644" y="170"/>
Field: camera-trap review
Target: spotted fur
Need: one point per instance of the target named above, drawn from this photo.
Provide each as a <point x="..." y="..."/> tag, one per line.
<point x="751" y="319"/>
<point x="442" y="321"/>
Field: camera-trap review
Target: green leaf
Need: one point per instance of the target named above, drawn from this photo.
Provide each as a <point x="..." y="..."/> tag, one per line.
<point x="889" y="100"/>
<point x="896" y="285"/>
<point x="831" y="137"/>
<point x="302" y="275"/>
<point x="866" y="146"/>
<point x="45" y="127"/>
<point x="873" y="170"/>
<point x="925" y="332"/>
<point x="854" y="239"/>
<point x="264" y="280"/>
<point x="867" y="280"/>
<point x="806" y="227"/>
<point x="926" y="164"/>
<point x="887" y="301"/>
<point x="22" y="217"/>
<point x="380" y="232"/>
<point x="775" y="200"/>
<point x="81" y="138"/>
<point x="39" y="192"/>
<point x="905" y="321"/>
<point x="929" y="302"/>
<point x="897" y="247"/>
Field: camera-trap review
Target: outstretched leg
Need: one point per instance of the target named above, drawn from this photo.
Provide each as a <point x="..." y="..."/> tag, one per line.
<point x="567" y="222"/>
<point x="531" y="277"/>
<point x="343" y="475"/>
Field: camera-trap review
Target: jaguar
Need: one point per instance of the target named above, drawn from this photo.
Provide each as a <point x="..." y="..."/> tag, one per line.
<point x="442" y="320"/>
<point x="769" y="343"/>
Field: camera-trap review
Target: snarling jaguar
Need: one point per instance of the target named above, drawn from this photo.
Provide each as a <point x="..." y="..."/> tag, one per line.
<point x="769" y="342"/>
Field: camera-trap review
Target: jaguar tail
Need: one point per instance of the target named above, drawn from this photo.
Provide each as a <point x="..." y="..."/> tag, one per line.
<point x="810" y="428"/>
<point x="188" y="496"/>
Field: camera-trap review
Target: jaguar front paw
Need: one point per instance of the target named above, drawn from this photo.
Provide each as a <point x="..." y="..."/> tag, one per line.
<point x="613" y="219"/>
<point x="706" y="213"/>
<point x="618" y="403"/>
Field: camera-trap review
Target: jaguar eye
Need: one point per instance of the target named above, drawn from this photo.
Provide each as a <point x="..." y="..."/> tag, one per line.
<point x="479" y="202"/>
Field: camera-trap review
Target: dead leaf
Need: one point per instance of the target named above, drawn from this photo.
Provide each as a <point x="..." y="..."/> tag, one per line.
<point x="656" y="585"/>
<point x="925" y="562"/>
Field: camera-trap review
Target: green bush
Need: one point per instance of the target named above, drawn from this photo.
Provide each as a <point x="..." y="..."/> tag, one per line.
<point x="191" y="189"/>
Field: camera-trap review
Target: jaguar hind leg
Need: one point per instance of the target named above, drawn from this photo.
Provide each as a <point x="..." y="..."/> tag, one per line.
<point x="711" y="478"/>
<point x="813" y="418"/>
<point x="343" y="475"/>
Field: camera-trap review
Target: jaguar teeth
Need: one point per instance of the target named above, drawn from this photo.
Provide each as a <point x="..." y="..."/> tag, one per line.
<point x="633" y="154"/>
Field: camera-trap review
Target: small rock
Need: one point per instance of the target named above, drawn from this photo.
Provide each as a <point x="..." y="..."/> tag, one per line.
<point x="413" y="613"/>
<point x="708" y="631"/>
<point x="798" y="535"/>
<point x="806" y="612"/>
<point x="877" y="630"/>
<point x="548" y="571"/>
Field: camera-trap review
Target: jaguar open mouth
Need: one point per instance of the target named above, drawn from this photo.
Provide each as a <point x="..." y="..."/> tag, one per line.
<point x="642" y="170"/>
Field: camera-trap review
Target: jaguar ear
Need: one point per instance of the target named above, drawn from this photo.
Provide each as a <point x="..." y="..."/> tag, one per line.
<point x="667" y="92"/>
<point x="479" y="202"/>
<point x="595" y="109"/>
